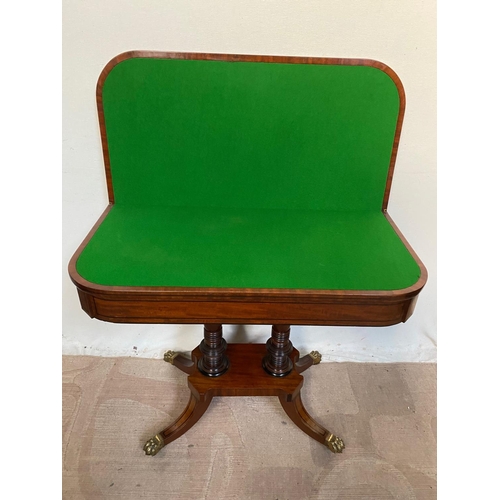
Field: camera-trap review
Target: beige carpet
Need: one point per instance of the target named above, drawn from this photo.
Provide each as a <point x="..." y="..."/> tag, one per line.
<point x="247" y="448"/>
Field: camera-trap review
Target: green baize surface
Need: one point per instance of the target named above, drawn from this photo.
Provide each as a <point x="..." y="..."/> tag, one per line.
<point x="248" y="175"/>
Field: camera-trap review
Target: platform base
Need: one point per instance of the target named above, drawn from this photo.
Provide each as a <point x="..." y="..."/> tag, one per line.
<point x="244" y="377"/>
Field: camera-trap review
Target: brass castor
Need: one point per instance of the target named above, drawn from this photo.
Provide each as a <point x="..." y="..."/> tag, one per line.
<point x="316" y="356"/>
<point x="334" y="443"/>
<point x="153" y="445"/>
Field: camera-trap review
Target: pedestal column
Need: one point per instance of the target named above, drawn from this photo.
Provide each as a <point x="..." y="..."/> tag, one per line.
<point x="213" y="347"/>
<point x="277" y="361"/>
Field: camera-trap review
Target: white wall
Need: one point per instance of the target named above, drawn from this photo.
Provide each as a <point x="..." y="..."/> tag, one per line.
<point x="400" y="33"/>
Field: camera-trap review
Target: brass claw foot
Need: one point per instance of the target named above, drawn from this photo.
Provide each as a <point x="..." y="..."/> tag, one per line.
<point x="334" y="443"/>
<point x="316" y="356"/>
<point x="169" y="356"/>
<point x="153" y="445"/>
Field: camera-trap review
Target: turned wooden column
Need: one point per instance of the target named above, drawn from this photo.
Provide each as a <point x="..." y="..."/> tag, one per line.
<point x="213" y="347"/>
<point x="277" y="361"/>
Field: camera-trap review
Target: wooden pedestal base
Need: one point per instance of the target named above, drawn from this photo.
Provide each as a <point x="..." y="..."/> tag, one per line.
<point x="244" y="376"/>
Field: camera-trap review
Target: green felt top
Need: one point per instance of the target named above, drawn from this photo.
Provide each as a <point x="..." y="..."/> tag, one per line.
<point x="248" y="175"/>
<point x="243" y="248"/>
<point x="248" y="134"/>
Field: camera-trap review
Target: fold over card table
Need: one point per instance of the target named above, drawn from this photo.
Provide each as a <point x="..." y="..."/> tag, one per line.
<point x="247" y="190"/>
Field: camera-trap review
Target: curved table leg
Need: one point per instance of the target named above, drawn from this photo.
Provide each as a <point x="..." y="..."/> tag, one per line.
<point x="192" y="413"/>
<point x="313" y="358"/>
<point x="184" y="364"/>
<point x="299" y="416"/>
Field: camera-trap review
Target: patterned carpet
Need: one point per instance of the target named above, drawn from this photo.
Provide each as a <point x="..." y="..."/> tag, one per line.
<point x="247" y="448"/>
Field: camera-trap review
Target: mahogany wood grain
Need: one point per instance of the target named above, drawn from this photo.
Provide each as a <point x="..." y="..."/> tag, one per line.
<point x="295" y="409"/>
<point x="245" y="376"/>
<point x="192" y="413"/>
<point x="184" y="364"/>
<point x="303" y="363"/>
<point x="374" y="312"/>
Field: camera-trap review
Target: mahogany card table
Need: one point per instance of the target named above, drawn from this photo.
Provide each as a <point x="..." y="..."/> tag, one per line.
<point x="247" y="190"/>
